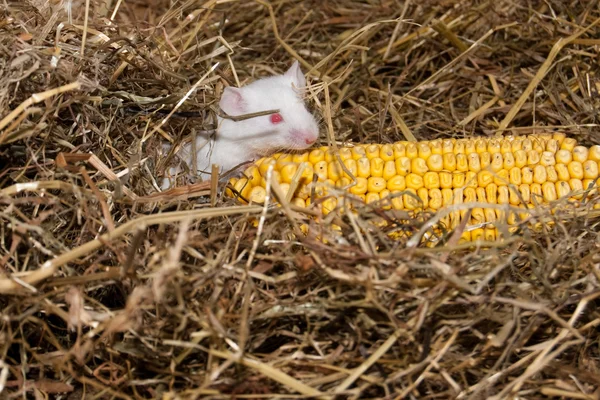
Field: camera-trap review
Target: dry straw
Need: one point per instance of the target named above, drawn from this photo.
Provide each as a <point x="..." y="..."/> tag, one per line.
<point x="111" y="289"/>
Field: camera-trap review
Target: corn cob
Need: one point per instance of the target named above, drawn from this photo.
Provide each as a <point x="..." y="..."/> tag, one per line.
<point x="522" y="171"/>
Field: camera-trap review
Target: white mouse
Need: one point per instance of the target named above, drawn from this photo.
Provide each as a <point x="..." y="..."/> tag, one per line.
<point x="293" y="128"/>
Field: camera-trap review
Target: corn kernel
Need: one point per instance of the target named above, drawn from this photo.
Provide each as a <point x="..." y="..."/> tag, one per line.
<point x="386" y="152"/>
<point x="376" y="184"/>
<point x="403" y="166"/>
<point x="363" y="166"/>
<point x="376" y="165"/>
<point x="414" y="181"/>
<point x="575" y="169"/>
<point x="396" y="183"/>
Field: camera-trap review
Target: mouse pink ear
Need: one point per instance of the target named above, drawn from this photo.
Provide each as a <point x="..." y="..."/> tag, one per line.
<point x="232" y="101"/>
<point x="296" y="74"/>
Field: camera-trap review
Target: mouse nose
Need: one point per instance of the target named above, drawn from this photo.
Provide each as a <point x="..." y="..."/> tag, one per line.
<point x="310" y="140"/>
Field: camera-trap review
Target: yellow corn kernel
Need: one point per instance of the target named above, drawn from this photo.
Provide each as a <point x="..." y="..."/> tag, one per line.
<point x="465" y="237"/>
<point x="503" y="194"/>
<point x="363" y="166"/>
<point x="470" y="195"/>
<point x="551" y="174"/>
<point x="298" y="202"/>
<point x="505" y="147"/>
<point x="533" y="157"/>
<point x="412" y="150"/>
<point x="580" y="153"/>
<point x="410" y="199"/>
<point x="320" y="169"/>
<point x="253" y="175"/>
<point x="328" y="205"/>
<point x="447" y="146"/>
<point x="343" y="182"/>
<point x="547" y="159"/>
<point x="594" y="153"/>
<point x="562" y="189"/>
<point x="376" y="165"/>
<point x="386" y="152"/>
<point x="552" y="145"/>
<point x="568" y="144"/>
<point x="435" y="162"/>
<point x="514" y="176"/>
<point x="257" y="194"/>
<point x="424" y="150"/>
<point x="449" y="161"/>
<point x="520" y="158"/>
<point x="334" y="170"/>
<point x="243" y="187"/>
<point x="389" y="170"/>
<point x="459" y="146"/>
<point x="447" y="196"/>
<point x="372" y="197"/>
<point x="376" y="184"/>
<point x="477" y="216"/>
<point x="576" y="186"/>
<point x="477" y="234"/>
<point x="399" y="150"/>
<point x="484" y="178"/>
<point x="436" y="146"/>
<point x="514" y="195"/>
<point x="549" y="191"/>
<point x="329" y="155"/>
<point x="386" y="202"/>
<point x="418" y="166"/>
<point x="501" y="177"/>
<point x="480" y="146"/>
<point x="539" y="174"/>
<point x="493" y="146"/>
<point x="563" y="157"/>
<point x="403" y="166"/>
<point x="275" y="176"/>
<point x="435" y="199"/>
<point x="345" y="153"/>
<point x="316" y="156"/>
<point x="445" y="180"/>
<point x="485" y="159"/>
<point x="516" y="144"/>
<point x="397" y="203"/>
<point x="264" y="166"/>
<point x="525" y="193"/>
<point x="470" y="146"/>
<point x="303" y="191"/>
<point x="458" y="179"/>
<point x="509" y="161"/>
<point x="414" y="181"/>
<point x="527" y="145"/>
<point x="536" y="193"/>
<point x="559" y="137"/>
<point x="474" y="162"/>
<point x="283" y="160"/>
<point x="299" y="157"/>
<point x="360" y="187"/>
<point x="431" y="180"/>
<point x="372" y="151"/>
<point x="396" y="183"/>
<point x="424" y="196"/>
<point x="358" y="152"/>
<point x="497" y="162"/>
<point x="590" y="169"/>
<point x="471" y="179"/>
<point x="575" y="169"/>
<point x="527" y="175"/>
<point x="539" y="145"/>
<point x="462" y="163"/>
<point x="352" y="166"/>
<point x="562" y="172"/>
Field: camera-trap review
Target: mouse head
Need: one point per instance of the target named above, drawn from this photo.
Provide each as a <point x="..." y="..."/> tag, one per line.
<point x="293" y="128"/>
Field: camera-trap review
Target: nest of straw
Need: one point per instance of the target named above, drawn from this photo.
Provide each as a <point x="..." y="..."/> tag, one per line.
<point x="111" y="289"/>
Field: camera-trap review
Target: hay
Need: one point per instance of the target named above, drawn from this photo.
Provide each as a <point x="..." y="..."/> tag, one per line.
<point x="112" y="290"/>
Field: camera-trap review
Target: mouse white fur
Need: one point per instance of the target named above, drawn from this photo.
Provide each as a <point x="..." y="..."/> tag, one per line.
<point x="293" y="128"/>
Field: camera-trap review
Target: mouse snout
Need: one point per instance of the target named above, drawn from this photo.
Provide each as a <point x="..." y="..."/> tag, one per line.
<point x="305" y="135"/>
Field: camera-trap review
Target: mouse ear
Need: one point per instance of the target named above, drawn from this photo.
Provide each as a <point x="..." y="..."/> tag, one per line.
<point x="232" y="101"/>
<point x="296" y="74"/>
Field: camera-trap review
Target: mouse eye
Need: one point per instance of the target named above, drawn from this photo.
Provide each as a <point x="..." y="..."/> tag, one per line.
<point x="276" y="118"/>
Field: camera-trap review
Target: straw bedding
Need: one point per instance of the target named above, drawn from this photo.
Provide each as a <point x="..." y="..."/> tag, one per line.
<point x="111" y="289"/>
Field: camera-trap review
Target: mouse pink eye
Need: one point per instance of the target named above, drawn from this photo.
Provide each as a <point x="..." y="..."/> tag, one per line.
<point x="276" y="118"/>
